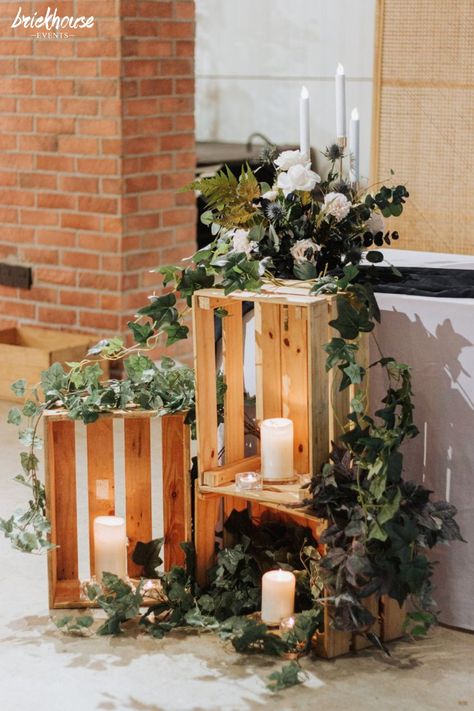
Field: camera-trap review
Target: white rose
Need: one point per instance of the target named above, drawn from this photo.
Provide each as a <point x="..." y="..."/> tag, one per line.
<point x="299" y="250"/>
<point x="270" y="195"/>
<point x="375" y="223"/>
<point x="337" y="205"/>
<point x="241" y="242"/>
<point x="288" y="159"/>
<point x="297" y="178"/>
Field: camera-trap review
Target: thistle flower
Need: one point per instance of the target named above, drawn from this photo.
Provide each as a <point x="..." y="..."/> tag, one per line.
<point x="269" y="153"/>
<point x="333" y="152"/>
<point x="273" y="211"/>
<point x="340" y="186"/>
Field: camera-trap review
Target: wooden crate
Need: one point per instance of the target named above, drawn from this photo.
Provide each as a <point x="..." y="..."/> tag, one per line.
<point x="291" y="327"/>
<point x="25" y="352"/>
<point x="61" y="492"/>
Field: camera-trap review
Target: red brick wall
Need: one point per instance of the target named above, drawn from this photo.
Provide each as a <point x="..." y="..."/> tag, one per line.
<point x="96" y="137"/>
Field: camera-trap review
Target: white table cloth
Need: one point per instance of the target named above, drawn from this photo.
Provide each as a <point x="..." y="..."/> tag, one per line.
<point x="436" y="338"/>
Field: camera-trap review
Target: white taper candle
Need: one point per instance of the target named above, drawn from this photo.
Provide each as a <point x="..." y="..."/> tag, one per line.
<point x="305" y="146"/>
<point x="354" y="146"/>
<point x="340" y="102"/>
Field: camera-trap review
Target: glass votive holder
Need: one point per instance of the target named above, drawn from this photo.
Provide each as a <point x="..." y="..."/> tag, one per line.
<point x="249" y="481"/>
<point x="287" y="624"/>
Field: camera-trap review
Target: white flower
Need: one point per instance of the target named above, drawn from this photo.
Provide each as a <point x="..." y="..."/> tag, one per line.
<point x="241" y="242"/>
<point x="288" y="159"/>
<point x="297" y="178"/>
<point x="337" y="205"/>
<point x="375" y="223"/>
<point x="270" y="195"/>
<point x="301" y="248"/>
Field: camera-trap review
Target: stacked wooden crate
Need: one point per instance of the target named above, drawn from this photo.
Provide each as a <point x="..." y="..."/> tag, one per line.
<point x="291" y="327"/>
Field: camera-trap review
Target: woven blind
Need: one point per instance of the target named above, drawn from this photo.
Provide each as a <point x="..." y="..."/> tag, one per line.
<point x="423" y="125"/>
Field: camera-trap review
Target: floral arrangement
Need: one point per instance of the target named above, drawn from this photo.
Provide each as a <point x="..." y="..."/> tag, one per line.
<point x="380" y="525"/>
<point x="300" y="227"/>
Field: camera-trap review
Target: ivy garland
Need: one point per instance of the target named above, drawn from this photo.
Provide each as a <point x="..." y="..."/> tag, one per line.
<point x="380" y="524"/>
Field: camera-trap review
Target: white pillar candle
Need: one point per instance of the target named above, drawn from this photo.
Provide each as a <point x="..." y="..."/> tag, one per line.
<point x="354" y="145"/>
<point x="110" y="546"/>
<point x="278" y="596"/>
<point x="276" y="447"/>
<point x="340" y="102"/>
<point x="305" y="146"/>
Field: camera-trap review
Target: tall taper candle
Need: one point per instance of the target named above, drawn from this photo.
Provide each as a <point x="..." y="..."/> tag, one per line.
<point x="340" y="102"/>
<point x="354" y="147"/>
<point x="276" y="447"/>
<point x="278" y="596"/>
<point x="110" y="546"/>
<point x="305" y="146"/>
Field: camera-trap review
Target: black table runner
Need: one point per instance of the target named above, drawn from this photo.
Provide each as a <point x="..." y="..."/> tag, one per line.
<point x="426" y="281"/>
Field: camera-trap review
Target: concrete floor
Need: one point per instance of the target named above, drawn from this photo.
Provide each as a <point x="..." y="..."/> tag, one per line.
<point x="43" y="670"/>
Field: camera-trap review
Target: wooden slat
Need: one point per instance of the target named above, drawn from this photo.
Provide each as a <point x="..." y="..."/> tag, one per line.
<point x="332" y="643"/>
<point x="205" y="519"/>
<point x="206" y="400"/>
<point x="318" y="386"/>
<point x="339" y="399"/>
<point x="359" y="641"/>
<point x="233" y="364"/>
<point x="100" y="474"/>
<point x="393" y="618"/>
<point x="61" y="415"/>
<point x="226" y="473"/>
<point x="363" y="359"/>
<point x="137" y="486"/>
<point x="62" y="506"/>
<point x="175" y="441"/>
<point x="293" y="295"/>
<point x="294" y="380"/>
<point x="268" y="360"/>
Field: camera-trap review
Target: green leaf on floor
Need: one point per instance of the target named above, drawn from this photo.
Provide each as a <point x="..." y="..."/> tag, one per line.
<point x="289" y="675"/>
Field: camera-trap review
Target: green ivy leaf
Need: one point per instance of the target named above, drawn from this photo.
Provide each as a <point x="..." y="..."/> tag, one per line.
<point x="19" y="387"/>
<point x="14" y="416"/>
<point x="141" y="332"/>
<point x="290" y="675"/>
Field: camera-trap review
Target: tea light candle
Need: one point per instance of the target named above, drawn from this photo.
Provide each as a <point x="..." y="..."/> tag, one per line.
<point x="110" y="546"/>
<point x="278" y="596"/>
<point x="246" y="481"/>
<point x="287" y="624"/>
<point x="276" y="446"/>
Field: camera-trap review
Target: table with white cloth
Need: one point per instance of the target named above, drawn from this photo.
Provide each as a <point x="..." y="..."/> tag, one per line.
<point x="435" y="336"/>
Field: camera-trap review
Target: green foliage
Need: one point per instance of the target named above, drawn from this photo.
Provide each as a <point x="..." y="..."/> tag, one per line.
<point x="230" y="200"/>
<point x="380" y="525"/>
<point x="148" y="555"/>
<point x="119" y="600"/>
<point x="290" y="675"/>
<point x="19" y="387"/>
